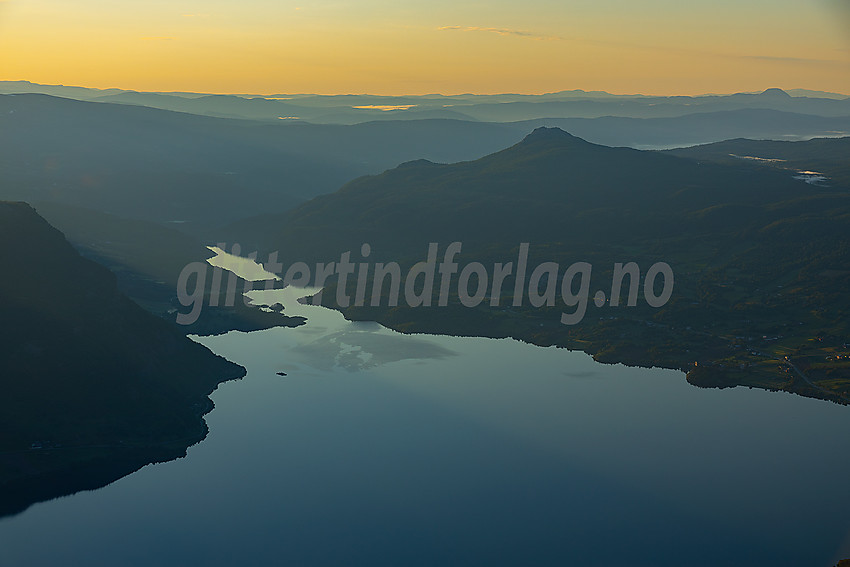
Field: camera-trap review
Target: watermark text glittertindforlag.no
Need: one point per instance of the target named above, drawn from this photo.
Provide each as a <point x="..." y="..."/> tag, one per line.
<point x="473" y="283"/>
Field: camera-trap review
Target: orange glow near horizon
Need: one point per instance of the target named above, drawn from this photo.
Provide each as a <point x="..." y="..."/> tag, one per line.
<point x="256" y="46"/>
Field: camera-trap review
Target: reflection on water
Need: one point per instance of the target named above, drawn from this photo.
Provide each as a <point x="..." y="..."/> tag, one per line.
<point x="812" y="178"/>
<point x="378" y="448"/>
<point x="361" y="349"/>
<point x="331" y="342"/>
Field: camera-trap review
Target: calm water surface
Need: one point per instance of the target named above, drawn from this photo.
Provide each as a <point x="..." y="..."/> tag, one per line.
<point x="385" y="449"/>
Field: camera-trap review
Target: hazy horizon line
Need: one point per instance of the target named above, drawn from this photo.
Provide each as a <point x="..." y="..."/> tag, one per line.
<point x="466" y="93"/>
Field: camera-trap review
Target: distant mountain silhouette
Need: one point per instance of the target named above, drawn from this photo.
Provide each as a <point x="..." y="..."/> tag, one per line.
<point x="774" y="92"/>
<point x="149" y="164"/>
<point x="652" y="107"/>
<point x="698" y="128"/>
<point x="349" y="109"/>
<point x="164" y="166"/>
<point x="202" y="172"/>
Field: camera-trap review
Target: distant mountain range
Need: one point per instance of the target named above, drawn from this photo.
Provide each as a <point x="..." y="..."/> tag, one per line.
<point x="197" y="173"/>
<point x="352" y="109"/>
<point x="150" y="164"/>
<point x="699" y="128"/>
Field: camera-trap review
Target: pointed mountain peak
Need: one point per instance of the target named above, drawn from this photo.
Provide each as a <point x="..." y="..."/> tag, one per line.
<point x="551" y="135"/>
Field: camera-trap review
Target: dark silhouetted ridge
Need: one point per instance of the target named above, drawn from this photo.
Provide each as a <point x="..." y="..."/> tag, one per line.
<point x="550" y="187"/>
<point x="90" y="381"/>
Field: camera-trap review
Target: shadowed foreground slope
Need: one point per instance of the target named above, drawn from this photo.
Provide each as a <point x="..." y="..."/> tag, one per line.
<point x="92" y="386"/>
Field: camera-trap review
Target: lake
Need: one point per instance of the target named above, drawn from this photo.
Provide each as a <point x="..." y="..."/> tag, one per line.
<point x="379" y="448"/>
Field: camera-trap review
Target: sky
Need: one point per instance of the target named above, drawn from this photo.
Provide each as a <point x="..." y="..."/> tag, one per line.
<point x="439" y="46"/>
